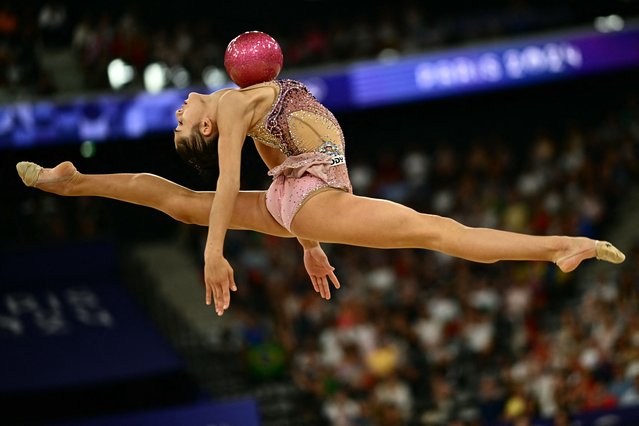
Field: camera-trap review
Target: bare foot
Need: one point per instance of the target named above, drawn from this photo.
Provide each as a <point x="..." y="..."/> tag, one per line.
<point x="580" y="249"/>
<point x="55" y="180"/>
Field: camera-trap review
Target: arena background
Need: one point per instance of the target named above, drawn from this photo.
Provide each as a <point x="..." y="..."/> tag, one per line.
<point x="102" y="314"/>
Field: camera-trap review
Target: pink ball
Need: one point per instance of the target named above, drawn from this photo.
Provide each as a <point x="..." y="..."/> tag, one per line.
<point x="253" y="57"/>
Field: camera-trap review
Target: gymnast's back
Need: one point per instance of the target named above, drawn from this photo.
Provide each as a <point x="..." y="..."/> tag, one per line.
<point x="298" y="123"/>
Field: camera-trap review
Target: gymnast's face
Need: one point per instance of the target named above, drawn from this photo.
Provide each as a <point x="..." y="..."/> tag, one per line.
<point x="196" y="129"/>
<point x="195" y="114"/>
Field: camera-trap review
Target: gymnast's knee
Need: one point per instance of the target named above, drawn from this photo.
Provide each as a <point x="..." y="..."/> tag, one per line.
<point x="438" y="232"/>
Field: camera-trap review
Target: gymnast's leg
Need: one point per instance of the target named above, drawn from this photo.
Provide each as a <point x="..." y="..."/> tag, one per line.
<point x="339" y="217"/>
<point x="153" y="191"/>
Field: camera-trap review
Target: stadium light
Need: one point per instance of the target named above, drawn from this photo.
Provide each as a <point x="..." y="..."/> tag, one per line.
<point x="179" y="76"/>
<point x="214" y="77"/>
<point x="607" y="24"/>
<point x="155" y="77"/>
<point x="120" y="73"/>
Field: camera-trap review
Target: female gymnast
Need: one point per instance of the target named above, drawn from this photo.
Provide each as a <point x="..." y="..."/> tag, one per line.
<point x="310" y="197"/>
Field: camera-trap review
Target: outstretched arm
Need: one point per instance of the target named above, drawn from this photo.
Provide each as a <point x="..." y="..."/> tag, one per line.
<point x="318" y="268"/>
<point x="232" y="122"/>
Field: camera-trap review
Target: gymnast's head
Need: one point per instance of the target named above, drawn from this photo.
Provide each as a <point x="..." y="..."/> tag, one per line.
<point x="196" y="133"/>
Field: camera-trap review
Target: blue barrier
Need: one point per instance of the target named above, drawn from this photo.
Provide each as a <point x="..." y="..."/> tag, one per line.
<point x="622" y="416"/>
<point x="242" y="412"/>
<point x="75" y="325"/>
<point x="368" y="84"/>
<point x="491" y="67"/>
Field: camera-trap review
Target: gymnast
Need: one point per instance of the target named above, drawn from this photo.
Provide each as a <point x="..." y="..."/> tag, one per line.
<point x="310" y="197"/>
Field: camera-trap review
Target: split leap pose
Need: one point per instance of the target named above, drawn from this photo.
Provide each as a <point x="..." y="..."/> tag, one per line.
<point x="310" y="197"/>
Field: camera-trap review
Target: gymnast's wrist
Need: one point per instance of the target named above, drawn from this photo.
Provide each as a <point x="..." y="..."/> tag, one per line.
<point x="308" y="244"/>
<point x="212" y="251"/>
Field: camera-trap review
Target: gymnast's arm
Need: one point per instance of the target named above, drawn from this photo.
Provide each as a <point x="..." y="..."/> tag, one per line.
<point x="272" y="158"/>
<point x="315" y="260"/>
<point x="232" y="124"/>
<point x="318" y="268"/>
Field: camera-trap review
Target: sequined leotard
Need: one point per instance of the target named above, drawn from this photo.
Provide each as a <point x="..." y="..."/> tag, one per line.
<point x="312" y="140"/>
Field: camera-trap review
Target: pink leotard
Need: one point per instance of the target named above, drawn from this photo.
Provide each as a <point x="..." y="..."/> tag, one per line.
<point x="312" y="140"/>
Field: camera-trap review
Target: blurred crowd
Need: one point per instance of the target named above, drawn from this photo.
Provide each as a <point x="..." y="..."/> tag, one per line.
<point x="311" y="33"/>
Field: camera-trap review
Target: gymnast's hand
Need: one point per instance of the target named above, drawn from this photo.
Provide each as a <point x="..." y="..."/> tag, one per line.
<point x="320" y="271"/>
<point x="218" y="278"/>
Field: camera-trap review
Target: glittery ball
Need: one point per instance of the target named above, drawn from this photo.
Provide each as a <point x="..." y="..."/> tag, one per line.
<point x="253" y="57"/>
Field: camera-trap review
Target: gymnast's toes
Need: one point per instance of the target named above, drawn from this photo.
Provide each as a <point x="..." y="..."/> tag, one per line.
<point x="608" y="252"/>
<point x="29" y="172"/>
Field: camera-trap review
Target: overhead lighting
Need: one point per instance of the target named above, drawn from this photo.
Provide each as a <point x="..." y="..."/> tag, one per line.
<point x="120" y="73"/>
<point x="610" y="23"/>
<point x="214" y="77"/>
<point x="179" y="76"/>
<point x="155" y="77"/>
